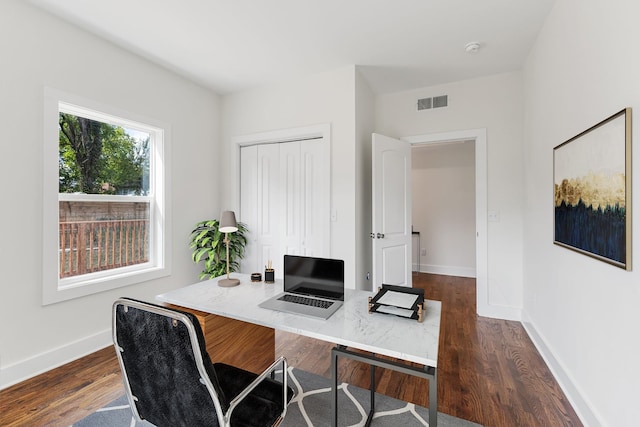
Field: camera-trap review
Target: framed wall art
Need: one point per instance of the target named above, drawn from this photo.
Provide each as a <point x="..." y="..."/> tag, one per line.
<point x="592" y="191"/>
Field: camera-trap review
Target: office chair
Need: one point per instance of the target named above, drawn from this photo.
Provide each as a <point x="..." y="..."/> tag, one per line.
<point x="170" y="380"/>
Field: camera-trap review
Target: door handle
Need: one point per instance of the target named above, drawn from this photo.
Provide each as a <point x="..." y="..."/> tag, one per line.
<point x="380" y="235"/>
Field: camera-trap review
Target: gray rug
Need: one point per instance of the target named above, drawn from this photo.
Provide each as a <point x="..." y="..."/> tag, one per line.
<point x="310" y="407"/>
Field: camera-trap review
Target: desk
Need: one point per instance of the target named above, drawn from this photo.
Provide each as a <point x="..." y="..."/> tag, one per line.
<point x="351" y="326"/>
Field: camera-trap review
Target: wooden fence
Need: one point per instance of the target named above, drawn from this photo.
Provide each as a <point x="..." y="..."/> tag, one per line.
<point x="90" y="246"/>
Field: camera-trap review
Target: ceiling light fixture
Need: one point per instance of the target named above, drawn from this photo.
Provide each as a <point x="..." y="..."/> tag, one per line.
<point x="472" y="47"/>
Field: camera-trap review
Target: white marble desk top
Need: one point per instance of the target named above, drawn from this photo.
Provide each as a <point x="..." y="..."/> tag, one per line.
<point x="352" y="325"/>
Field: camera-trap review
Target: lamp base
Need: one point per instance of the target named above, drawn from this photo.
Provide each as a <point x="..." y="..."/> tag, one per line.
<point x="228" y="283"/>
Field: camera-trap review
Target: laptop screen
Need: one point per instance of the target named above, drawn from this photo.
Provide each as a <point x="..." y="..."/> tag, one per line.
<point x="322" y="277"/>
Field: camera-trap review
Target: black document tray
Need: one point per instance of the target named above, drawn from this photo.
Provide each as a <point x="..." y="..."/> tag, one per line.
<point x="415" y="311"/>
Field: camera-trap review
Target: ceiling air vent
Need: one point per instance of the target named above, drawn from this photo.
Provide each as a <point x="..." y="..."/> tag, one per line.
<point x="435" y="102"/>
<point x="424" y="104"/>
<point x="440" y="101"/>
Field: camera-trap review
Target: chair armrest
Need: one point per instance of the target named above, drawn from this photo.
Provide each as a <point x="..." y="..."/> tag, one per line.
<point x="244" y="393"/>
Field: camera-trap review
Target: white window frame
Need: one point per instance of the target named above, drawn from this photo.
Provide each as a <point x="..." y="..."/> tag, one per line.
<point x="55" y="289"/>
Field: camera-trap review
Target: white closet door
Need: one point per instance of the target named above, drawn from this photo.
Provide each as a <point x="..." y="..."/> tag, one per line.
<point x="260" y="198"/>
<point x="305" y="219"/>
<point x="314" y="195"/>
<point x="284" y="196"/>
<point x="291" y="220"/>
<point x="249" y="207"/>
<point x="269" y="197"/>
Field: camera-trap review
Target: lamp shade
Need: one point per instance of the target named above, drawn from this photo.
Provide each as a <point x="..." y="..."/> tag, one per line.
<point x="228" y="222"/>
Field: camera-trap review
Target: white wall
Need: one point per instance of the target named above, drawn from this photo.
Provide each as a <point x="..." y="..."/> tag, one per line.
<point x="494" y="103"/>
<point x="322" y="98"/>
<point x="364" y="129"/>
<point x="39" y="50"/>
<point x="444" y="207"/>
<point x="583" y="313"/>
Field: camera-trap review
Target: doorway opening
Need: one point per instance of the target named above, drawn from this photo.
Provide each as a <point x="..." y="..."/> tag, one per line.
<point x="443" y="208"/>
<point x="478" y="137"/>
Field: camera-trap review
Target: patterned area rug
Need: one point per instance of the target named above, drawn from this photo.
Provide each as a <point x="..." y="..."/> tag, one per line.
<point x="310" y="407"/>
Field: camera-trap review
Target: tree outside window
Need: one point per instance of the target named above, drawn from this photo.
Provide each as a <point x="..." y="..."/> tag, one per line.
<point x="99" y="158"/>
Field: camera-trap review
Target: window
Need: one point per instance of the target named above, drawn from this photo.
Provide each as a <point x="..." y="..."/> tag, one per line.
<point x="104" y="198"/>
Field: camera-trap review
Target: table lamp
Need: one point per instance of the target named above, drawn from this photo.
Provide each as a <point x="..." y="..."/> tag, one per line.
<point x="228" y="225"/>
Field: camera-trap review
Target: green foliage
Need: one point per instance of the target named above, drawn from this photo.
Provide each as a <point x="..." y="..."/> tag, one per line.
<point x="82" y="141"/>
<point x="207" y="244"/>
<point x="125" y="163"/>
<point x="99" y="158"/>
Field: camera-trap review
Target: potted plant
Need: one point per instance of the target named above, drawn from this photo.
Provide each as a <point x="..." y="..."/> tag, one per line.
<point x="207" y="244"/>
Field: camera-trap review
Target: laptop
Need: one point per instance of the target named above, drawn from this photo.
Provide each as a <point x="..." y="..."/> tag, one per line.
<point x="312" y="287"/>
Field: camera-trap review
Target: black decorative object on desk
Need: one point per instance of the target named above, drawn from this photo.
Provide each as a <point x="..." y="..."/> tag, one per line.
<point x="398" y="301"/>
<point x="269" y="273"/>
<point x="256" y="277"/>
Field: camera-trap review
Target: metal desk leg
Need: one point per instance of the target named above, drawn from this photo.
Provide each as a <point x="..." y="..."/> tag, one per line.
<point x="334" y="386"/>
<point x="373" y="385"/>
<point x="433" y="398"/>
<point x="428" y="372"/>
<point x="372" y="390"/>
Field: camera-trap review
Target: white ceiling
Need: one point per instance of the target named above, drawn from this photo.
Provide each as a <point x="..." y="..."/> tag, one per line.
<point x="232" y="45"/>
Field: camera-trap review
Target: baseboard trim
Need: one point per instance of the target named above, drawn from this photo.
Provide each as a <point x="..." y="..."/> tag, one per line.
<point x="447" y="270"/>
<point x="43" y="362"/>
<point x="499" y="312"/>
<point x="583" y="408"/>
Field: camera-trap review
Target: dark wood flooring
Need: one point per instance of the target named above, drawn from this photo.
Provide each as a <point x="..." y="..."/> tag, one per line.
<point x="488" y="372"/>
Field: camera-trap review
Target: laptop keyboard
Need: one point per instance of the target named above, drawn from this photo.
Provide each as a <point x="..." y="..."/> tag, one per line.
<point x="306" y="301"/>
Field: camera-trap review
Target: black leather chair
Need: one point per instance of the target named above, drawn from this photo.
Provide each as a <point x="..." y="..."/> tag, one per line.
<point x="170" y="380"/>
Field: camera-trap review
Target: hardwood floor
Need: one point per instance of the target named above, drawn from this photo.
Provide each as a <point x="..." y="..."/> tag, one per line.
<point x="488" y="372"/>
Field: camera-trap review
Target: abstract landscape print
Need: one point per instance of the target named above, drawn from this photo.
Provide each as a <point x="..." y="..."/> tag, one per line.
<point x="592" y="191"/>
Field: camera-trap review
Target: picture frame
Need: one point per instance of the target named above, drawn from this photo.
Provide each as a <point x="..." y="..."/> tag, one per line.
<point x="592" y="191"/>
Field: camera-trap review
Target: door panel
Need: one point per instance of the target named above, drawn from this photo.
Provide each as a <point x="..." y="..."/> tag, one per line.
<point x="291" y="198"/>
<point x="394" y="272"/>
<point x="269" y="199"/>
<point x="391" y="213"/>
<point x="393" y="192"/>
<point x="249" y="207"/>
<point x="314" y="182"/>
